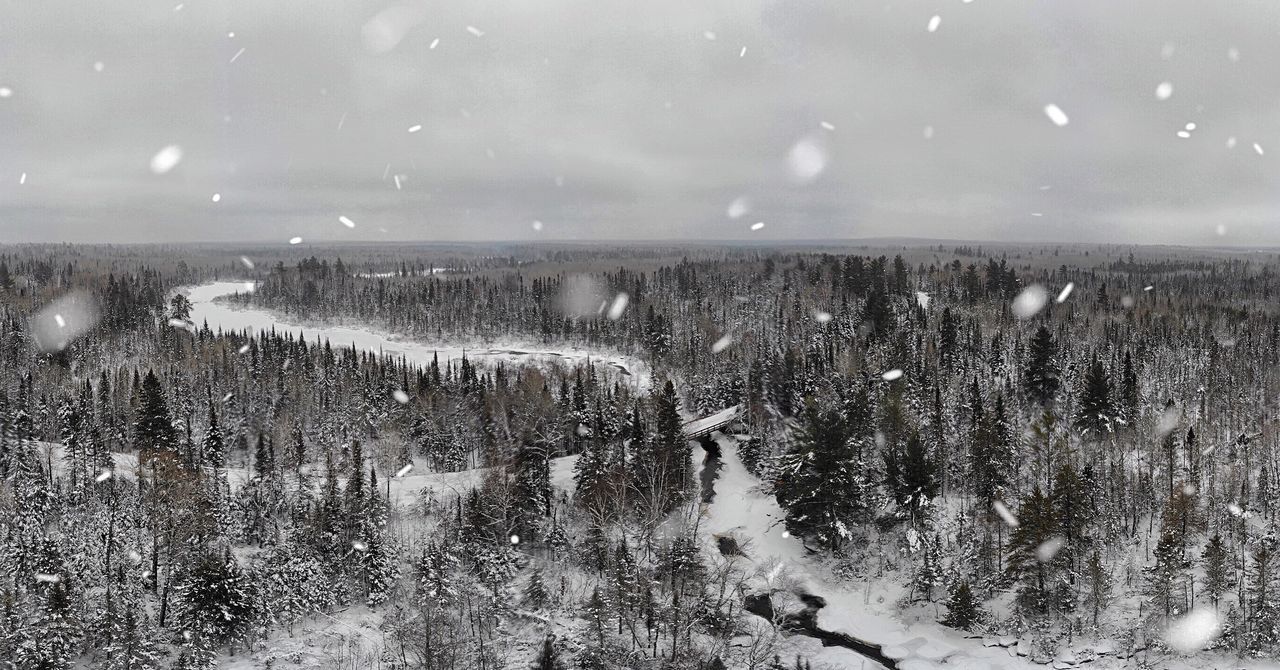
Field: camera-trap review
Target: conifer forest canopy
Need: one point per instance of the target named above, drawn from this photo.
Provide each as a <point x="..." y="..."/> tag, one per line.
<point x="676" y="335"/>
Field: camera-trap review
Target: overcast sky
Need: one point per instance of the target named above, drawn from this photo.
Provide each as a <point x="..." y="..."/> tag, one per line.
<point x="611" y="119"/>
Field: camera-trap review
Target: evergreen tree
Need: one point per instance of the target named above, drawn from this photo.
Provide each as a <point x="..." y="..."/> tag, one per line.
<point x="1216" y="568"/>
<point x="1036" y="526"/>
<point x="217" y="603"/>
<point x="1040" y="379"/>
<point x="549" y="656"/>
<point x="1094" y="409"/>
<point x="816" y="483"/>
<point x="1100" y="586"/>
<point x="153" y="430"/>
<point x="964" y="610"/>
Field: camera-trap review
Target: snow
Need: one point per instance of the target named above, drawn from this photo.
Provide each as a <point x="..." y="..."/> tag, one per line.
<point x="891" y="375"/>
<point x="619" y="306"/>
<point x="1005" y="514"/>
<point x="346" y="222"/>
<point x="166" y="159"/>
<point x="238" y="54"/>
<point x="934" y="23"/>
<point x="743" y="509"/>
<point x="1056" y="115"/>
<point x="721" y="344"/>
<point x="205" y="308"/>
<point x="738" y="208"/>
<point x="1164" y="90"/>
<point x="757" y="225"/>
<point x="1194" y="631"/>
<point x="1030" y="301"/>
<point x="806" y="160"/>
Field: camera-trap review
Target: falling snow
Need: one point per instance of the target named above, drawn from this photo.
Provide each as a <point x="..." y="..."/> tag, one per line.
<point x="1005" y="515"/>
<point x="1030" y="301"/>
<point x="722" y="344"/>
<point x="1056" y="115"/>
<point x="1194" y="631"/>
<point x="892" y="375"/>
<point x="619" y="306"/>
<point x="806" y="160"/>
<point x="166" y="159"/>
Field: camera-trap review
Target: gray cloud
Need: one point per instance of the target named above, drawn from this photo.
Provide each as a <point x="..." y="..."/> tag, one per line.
<point x="611" y="120"/>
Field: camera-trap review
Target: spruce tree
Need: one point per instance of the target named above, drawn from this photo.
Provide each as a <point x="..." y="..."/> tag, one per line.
<point x="1094" y="410"/>
<point x="153" y="430"/>
<point x="1040" y="378"/>
<point x="816" y="483"/>
<point x="1216" y="568"/>
<point x="964" y="610"/>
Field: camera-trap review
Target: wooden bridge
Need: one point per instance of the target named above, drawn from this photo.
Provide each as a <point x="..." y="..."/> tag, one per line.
<point x="708" y="424"/>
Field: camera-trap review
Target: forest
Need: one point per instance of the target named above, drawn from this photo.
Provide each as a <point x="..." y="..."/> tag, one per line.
<point x="960" y="455"/>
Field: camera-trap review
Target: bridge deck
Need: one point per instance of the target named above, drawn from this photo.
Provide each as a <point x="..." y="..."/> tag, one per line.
<point x="708" y="424"/>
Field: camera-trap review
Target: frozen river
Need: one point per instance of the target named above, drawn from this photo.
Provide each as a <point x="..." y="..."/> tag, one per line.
<point x="219" y="314"/>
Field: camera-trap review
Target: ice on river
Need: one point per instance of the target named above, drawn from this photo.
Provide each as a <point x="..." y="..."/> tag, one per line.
<point x="206" y="308"/>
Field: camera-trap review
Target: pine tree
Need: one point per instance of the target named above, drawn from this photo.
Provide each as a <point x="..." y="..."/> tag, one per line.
<point x="153" y="430"/>
<point x="1100" y="586"/>
<point x="212" y="447"/>
<point x="1264" y="622"/>
<point x="1216" y="568"/>
<point x="911" y="476"/>
<point x="964" y="610"/>
<point x="549" y="656"/>
<point x="1094" y="408"/>
<point x="1040" y="379"/>
<point x="535" y="592"/>
<point x="1036" y="526"/>
<point x="816" y="483"/>
<point x="217" y="602"/>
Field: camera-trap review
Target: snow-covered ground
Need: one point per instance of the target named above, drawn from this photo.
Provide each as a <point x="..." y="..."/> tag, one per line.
<point x="206" y="308"/>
